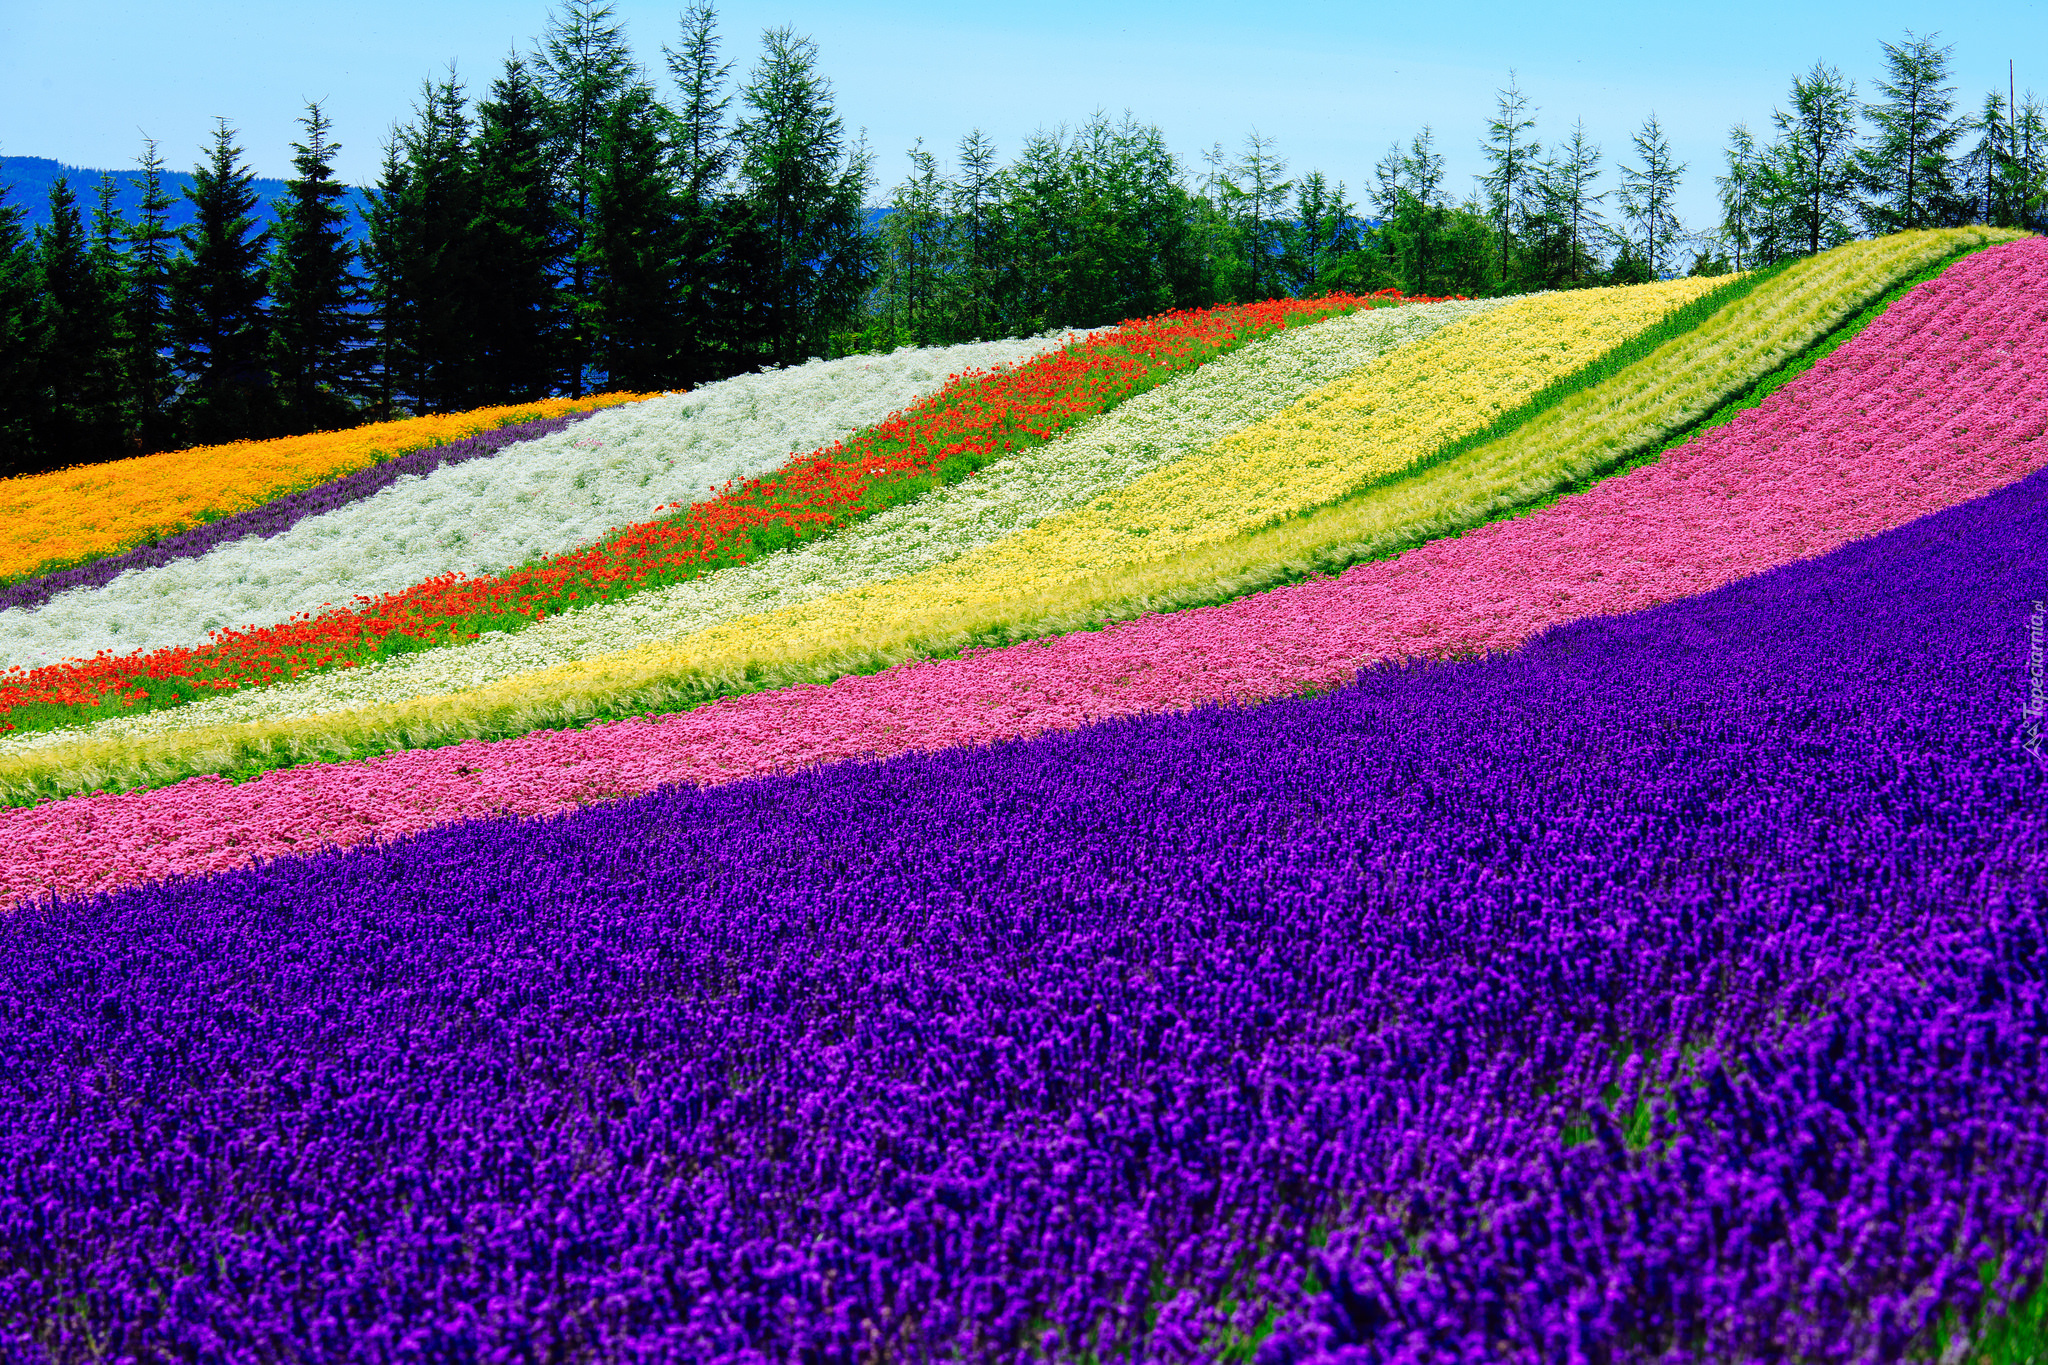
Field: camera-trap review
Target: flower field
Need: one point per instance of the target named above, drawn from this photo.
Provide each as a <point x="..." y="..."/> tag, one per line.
<point x="49" y="521"/>
<point x="1459" y="831"/>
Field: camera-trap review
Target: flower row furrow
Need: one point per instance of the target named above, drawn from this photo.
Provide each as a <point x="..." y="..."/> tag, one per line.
<point x="1143" y="433"/>
<point x="1940" y="401"/>
<point x="49" y="522"/>
<point x="1692" y="960"/>
<point x="970" y="421"/>
<point x="539" y="498"/>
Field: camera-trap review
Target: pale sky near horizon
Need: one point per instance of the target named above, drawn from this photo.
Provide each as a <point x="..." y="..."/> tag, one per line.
<point x="83" y="81"/>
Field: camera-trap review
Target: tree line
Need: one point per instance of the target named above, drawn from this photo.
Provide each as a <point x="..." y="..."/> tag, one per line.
<point x="581" y="223"/>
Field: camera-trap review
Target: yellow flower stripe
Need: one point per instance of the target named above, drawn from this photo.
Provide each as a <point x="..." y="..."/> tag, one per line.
<point x="52" y="521"/>
<point x="1634" y="410"/>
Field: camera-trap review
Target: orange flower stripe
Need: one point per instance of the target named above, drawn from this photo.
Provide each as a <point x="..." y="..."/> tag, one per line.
<point x="53" y="521"/>
<point x="976" y="418"/>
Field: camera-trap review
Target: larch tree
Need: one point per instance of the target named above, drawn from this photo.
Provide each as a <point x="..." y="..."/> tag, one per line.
<point x="1907" y="167"/>
<point x="1817" y="141"/>
<point x="1649" y="197"/>
<point x="1513" y="156"/>
<point x="805" y="185"/>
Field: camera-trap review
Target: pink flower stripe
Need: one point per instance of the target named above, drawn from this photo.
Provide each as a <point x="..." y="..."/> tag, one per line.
<point x="1943" y="399"/>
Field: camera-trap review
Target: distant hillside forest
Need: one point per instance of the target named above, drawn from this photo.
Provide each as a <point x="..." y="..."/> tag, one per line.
<point x="584" y="225"/>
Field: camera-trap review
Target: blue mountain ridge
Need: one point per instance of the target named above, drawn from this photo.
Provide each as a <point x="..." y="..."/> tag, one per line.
<point x="25" y="184"/>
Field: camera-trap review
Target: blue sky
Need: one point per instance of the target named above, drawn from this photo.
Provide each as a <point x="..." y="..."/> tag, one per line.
<point x="82" y="81"/>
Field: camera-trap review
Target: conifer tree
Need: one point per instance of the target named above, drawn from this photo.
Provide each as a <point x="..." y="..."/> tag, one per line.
<point x="1816" y="155"/>
<point x="585" y="67"/>
<point x="1033" y="242"/>
<point x="1649" y="194"/>
<point x="1132" y="250"/>
<point x="806" y="192"/>
<point x="19" y="342"/>
<point x="427" y="285"/>
<point x="1570" y="198"/>
<point x="1989" y="167"/>
<point x="146" y="308"/>
<point x="635" y="233"/>
<point x="1513" y="156"/>
<point x="218" y="332"/>
<point x="516" y="243"/>
<point x="386" y="256"/>
<point x="315" y="291"/>
<point x="1325" y="231"/>
<point x="1255" y="199"/>
<point x="916" y="258"/>
<point x="1907" y="167"/>
<point x="77" y="377"/>
<point x="706" y="214"/>
<point x="971" y="203"/>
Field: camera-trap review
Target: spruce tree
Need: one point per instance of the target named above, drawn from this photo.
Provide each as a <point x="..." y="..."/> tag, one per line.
<point x="1907" y="167"/>
<point x="1649" y="194"/>
<point x="20" y="342"/>
<point x="1817" y="153"/>
<point x="316" y="333"/>
<point x="1325" y="232"/>
<point x="146" y="308"/>
<point x="806" y="193"/>
<point x="516" y="244"/>
<point x="585" y="67"/>
<point x="916" y="259"/>
<point x="635" y="233"/>
<point x="426" y="281"/>
<point x="219" y="336"/>
<point x="706" y="213"/>
<point x="387" y="255"/>
<point x="77" y="377"/>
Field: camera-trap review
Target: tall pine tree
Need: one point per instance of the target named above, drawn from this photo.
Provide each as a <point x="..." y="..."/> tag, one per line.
<point x="806" y="194"/>
<point x="219" y="336"/>
<point x="1513" y="158"/>
<point x="316" y="331"/>
<point x="19" y="342"/>
<point x="1649" y="199"/>
<point x="585" y="68"/>
<point x="1907" y="167"/>
<point x="635" y="230"/>
<point x="516" y="243"/>
<point x="146" y="308"/>
<point x="77" y="379"/>
<point x="1817" y="158"/>
<point x="708" y="216"/>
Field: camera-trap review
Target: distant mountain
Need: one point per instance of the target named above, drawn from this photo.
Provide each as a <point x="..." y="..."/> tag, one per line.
<point x="25" y="184"/>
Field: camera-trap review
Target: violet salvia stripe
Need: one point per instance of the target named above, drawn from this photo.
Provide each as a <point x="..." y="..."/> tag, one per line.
<point x="1098" y="1043"/>
<point x="279" y="514"/>
<point x="1941" y="400"/>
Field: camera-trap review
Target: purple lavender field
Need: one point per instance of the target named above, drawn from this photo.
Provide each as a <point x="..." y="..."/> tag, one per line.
<point x="1673" y="989"/>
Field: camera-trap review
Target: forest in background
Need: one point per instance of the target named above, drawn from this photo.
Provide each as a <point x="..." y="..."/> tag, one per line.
<point x="580" y="224"/>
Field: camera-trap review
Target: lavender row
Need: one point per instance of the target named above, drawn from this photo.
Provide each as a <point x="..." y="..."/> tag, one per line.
<point x="280" y="514"/>
<point x="1673" y="988"/>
